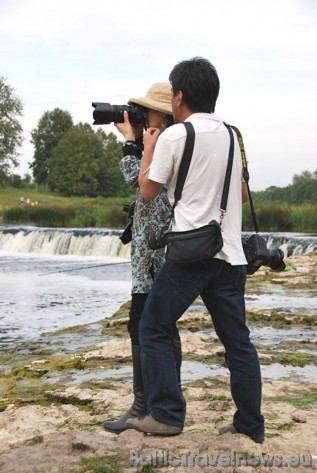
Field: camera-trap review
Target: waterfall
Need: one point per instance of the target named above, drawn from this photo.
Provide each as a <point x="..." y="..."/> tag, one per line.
<point x="101" y="242"/>
<point x="292" y="244"/>
<point x="91" y="242"/>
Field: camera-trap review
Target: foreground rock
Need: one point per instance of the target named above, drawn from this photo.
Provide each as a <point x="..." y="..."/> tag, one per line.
<point x="52" y="423"/>
<point x="55" y="438"/>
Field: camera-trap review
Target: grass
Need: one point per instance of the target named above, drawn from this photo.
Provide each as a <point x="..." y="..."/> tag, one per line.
<point x="296" y="359"/>
<point x="300" y="401"/>
<point x="10" y="197"/>
<point x="95" y="464"/>
<point x="281" y="217"/>
<point x="53" y="210"/>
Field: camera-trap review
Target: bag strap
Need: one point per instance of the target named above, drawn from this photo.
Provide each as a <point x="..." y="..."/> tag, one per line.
<point x="225" y="192"/>
<point x="246" y="175"/>
<point x="185" y="163"/>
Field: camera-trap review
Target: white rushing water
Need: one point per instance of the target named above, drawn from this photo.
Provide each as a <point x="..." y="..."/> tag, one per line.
<point x="63" y="241"/>
<point x="101" y="242"/>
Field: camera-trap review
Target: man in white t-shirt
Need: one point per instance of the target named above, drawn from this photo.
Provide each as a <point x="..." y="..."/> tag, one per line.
<point x="220" y="281"/>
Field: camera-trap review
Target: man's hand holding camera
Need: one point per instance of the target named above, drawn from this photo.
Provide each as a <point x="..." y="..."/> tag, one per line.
<point x="149" y="139"/>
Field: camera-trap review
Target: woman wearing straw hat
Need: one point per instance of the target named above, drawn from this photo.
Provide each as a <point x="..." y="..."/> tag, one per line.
<point x="148" y="216"/>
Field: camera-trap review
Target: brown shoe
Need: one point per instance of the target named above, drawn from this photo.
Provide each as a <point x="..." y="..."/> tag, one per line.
<point x="151" y="426"/>
<point x="231" y="428"/>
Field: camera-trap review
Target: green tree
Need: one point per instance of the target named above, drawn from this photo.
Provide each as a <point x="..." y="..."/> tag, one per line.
<point x="11" y="130"/>
<point x="86" y="162"/>
<point x="111" y="180"/>
<point x="45" y="137"/>
<point x="304" y="188"/>
<point x="75" y="162"/>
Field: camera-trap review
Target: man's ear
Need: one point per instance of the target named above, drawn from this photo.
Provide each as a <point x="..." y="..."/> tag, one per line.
<point x="179" y="98"/>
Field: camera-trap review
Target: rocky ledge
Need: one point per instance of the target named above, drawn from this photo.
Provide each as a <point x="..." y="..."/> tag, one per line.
<point x="53" y="402"/>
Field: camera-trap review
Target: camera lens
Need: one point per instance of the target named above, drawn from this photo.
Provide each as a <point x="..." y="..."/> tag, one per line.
<point x="155" y="238"/>
<point x="275" y="260"/>
<point x="106" y="113"/>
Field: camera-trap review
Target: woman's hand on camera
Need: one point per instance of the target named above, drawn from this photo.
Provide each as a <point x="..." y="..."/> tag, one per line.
<point x="129" y="131"/>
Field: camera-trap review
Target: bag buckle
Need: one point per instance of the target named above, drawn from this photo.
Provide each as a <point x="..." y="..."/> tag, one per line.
<point x="222" y="214"/>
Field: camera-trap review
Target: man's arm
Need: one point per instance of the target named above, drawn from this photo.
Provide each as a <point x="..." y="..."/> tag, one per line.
<point x="149" y="189"/>
<point x="245" y="194"/>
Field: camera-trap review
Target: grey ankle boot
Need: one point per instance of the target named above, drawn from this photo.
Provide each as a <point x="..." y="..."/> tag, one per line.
<point x="138" y="408"/>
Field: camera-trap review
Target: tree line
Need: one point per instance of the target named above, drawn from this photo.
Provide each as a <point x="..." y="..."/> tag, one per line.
<point x="77" y="160"/>
<point x="71" y="159"/>
<point x="302" y="190"/>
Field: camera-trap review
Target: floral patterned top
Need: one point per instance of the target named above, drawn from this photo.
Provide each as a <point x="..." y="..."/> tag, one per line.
<point x="148" y="215"/>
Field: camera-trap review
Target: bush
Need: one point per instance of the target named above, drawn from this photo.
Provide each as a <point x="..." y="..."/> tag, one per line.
<point x="15" y="215"/>
<point x="304" y="218"/>
<point x="100" y="216"/>
<point x="43" y="216"/>
<point x="270" y="218"/>
<point x="97" y="215"/>
<point x="275" y="218"/>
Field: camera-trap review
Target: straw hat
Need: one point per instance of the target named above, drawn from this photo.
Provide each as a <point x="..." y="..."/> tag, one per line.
<point x="158" y="98"/>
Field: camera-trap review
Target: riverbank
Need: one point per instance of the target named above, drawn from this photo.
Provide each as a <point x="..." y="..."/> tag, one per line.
<point x="40" y="207"/>
<point x="54" y="400"/>
<point x="29" y="206"/>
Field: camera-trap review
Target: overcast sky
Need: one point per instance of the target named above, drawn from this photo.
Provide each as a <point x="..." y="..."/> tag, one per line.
<point x="69" y="53"/>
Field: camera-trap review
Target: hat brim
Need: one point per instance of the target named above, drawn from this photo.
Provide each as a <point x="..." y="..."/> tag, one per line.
<point x="152" y="104"/>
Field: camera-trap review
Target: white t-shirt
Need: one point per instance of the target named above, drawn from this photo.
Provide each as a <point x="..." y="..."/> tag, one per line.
<point x="202" y="191"/>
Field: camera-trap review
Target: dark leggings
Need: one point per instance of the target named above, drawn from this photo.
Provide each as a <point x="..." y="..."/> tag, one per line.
<point x="137" y="305"/>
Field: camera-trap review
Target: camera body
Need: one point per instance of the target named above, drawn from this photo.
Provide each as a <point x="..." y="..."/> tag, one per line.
<point x="156" y="238"/>
<point x="105" y="113"/>
<point x="257" y="254"/>
<point x="129" y="209"/>
<point x="126" y="235"/>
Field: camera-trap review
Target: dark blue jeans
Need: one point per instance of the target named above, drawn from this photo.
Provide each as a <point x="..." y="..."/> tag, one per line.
<point x="221" y="287"/>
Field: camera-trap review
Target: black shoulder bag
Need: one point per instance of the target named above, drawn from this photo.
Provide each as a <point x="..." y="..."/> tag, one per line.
<point x="200" y="244"/>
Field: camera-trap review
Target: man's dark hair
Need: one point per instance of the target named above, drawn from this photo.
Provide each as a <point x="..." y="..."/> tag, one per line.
<point x="197" y="78"/>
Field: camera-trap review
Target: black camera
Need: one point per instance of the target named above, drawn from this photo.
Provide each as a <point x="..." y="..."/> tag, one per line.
<point x="105" y="113"/>
<point x="126" y="235"/>
<point x="156" y="238"/>
<point x="129" y="209"/>
<point x="257" y="254"/>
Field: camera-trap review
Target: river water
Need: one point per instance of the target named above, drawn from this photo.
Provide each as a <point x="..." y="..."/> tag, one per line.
<point x="55" y="279"/>
<point x="37" y="297"/>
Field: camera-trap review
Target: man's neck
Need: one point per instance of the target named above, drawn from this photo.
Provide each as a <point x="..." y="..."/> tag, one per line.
<point x="183" y="114"/>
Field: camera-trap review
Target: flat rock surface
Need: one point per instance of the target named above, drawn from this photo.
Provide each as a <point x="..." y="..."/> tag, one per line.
<point x="57" y="436"/>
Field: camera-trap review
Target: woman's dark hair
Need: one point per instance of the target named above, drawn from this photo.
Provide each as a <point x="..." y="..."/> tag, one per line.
<point x="169" y="120"/>
<point x="197" y="78"/>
